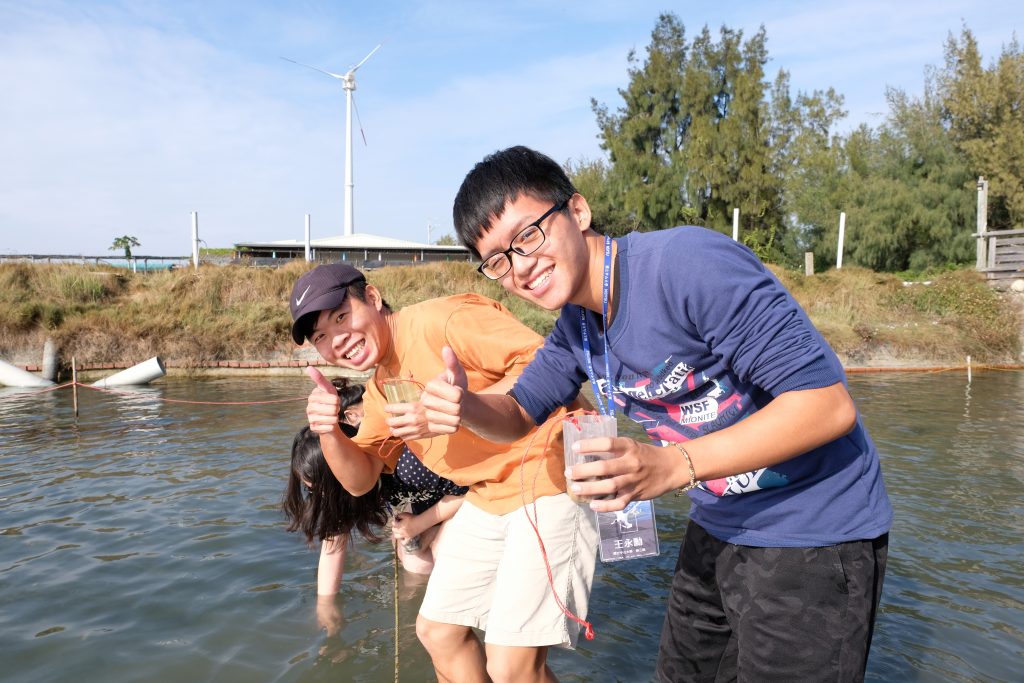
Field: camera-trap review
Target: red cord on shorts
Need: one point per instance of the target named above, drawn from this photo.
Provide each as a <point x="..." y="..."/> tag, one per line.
<point x="588" y="629"/>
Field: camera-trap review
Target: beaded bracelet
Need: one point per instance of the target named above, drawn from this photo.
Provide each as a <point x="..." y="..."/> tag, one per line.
<point x="693" y="475"/>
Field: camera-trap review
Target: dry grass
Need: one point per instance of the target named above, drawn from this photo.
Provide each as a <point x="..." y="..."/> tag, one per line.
<point x="235" y="313"/>
<point x="874" y="318"/>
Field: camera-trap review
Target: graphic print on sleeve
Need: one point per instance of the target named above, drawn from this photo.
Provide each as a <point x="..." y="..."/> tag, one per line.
<point x="673" y="406"/>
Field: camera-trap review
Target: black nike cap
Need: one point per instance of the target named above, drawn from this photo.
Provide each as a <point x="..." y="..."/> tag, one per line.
<point x="321" y="289"/>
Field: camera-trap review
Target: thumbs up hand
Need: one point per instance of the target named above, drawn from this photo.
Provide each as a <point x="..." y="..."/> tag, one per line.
<point x="323" y="406"/>
<point x="454" y="374"/>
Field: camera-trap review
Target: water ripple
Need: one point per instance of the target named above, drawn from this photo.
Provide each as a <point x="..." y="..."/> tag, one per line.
<point x="154" y="527"/>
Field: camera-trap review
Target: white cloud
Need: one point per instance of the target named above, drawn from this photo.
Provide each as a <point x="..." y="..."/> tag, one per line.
<point x="124" y="117"/>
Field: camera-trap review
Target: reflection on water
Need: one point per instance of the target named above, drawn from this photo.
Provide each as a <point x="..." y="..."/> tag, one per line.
<point x="143" y="542"/>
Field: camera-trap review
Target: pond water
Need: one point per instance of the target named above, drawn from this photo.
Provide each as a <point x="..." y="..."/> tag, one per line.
<point x="143" y="542"/>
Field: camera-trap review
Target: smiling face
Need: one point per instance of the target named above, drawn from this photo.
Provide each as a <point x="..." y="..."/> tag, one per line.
<point x="354" y="335"/>
<point x="556" y="273"/>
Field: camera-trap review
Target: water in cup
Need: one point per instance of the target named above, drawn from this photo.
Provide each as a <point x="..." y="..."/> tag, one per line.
<point x="398" y="390"/>
<point x="578" y="427"/>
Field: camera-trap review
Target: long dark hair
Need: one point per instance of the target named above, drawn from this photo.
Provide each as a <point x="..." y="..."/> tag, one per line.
<point x="324" y="508"/>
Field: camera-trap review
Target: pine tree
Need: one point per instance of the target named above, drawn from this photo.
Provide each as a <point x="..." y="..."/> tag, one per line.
<point x="908" y="192"/>
<point x="701" y="132"/>
<point x="644" y="138"/>
<point x="984" y="112"/>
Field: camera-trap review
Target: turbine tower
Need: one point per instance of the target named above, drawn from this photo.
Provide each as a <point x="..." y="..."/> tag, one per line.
<point x="348" y="83"/>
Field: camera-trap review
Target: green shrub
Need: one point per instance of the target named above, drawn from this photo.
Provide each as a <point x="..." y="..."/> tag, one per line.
<point x="76" y="288"/>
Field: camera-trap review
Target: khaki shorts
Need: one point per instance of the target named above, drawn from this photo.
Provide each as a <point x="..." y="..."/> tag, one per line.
<point x="489" y="573"/>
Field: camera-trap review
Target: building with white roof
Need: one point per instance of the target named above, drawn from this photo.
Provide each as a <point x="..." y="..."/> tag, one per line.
<point x="361" y="249"/>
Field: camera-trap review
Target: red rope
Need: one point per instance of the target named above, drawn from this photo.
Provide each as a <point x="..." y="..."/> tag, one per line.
<point x="588" y="628"/>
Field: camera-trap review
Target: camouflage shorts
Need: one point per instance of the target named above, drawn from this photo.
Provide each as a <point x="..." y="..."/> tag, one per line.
<point x="741" y="613"/>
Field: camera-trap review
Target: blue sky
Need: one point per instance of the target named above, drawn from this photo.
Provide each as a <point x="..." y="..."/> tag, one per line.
<point x="123" y="117"/>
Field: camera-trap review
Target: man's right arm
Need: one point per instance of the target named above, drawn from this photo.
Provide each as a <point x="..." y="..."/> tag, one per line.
<point x="352" y="467"/>
<point x="495" y="417"/>
<point x="449" y="404"/>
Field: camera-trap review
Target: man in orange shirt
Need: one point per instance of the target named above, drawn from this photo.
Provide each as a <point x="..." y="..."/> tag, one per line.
<point x="488" y="572"/>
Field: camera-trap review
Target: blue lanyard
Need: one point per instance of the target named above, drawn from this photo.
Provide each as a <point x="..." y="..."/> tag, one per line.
<point x="606" y="286"/>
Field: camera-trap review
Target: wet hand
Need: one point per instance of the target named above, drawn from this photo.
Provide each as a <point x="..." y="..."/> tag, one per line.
<point x="442" y="396"/>
<point x="635" y="471"/>
<point x="323" y="405"/>
<point x="328" y="615"/>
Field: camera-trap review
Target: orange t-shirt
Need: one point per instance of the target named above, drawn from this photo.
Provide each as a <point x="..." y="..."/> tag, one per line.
<point x="491" y="344"/>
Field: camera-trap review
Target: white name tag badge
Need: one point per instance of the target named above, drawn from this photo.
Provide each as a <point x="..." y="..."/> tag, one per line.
<point x="628" y="534"/>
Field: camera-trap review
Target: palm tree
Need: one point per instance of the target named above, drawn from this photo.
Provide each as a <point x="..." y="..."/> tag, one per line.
<point x="125" y="242"/>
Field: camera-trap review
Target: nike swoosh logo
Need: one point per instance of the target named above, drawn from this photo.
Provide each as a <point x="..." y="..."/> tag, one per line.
<point x="298" y="302"/>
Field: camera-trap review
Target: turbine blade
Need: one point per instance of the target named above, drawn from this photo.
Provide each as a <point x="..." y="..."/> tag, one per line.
<point x="333" y="75"/>
<point x="352" y="70"/>
<point x="359" y="121"/>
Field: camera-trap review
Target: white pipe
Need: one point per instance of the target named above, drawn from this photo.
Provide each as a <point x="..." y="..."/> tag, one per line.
<point x="735" y="225"/>
<point x="143" y="373"/>
<point x="308" y="257"/>
<point x="49" y="360"/>
<point x="195" y="239"/>
<point x="842" y="234"/>
<point x="13" y="376"/>
<point x="982" y="218"/>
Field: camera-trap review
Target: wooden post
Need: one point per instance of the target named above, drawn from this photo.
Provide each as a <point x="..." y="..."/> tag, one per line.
<point x="74" y="385"/>
<point x="842" y="235"/>
<point x="808" y="263"/>
<point x="982" y="238"/>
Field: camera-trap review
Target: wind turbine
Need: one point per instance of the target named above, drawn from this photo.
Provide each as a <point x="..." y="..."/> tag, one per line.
<point x="348" y="82"/>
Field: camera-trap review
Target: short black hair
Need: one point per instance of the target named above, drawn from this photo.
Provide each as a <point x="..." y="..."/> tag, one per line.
<point x="500" y="178"/>
<point x="357" y="289"/>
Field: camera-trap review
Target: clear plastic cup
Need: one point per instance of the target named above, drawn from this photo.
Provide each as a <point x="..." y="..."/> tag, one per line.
<point x="578" y="427"/>
<point x="398" y="390"/>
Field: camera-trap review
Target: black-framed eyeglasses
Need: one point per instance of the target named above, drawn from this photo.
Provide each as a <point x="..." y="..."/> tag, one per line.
<point x="529" y="239"/>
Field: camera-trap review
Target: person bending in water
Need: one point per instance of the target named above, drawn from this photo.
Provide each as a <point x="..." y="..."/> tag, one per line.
<point x="318" y="506"/>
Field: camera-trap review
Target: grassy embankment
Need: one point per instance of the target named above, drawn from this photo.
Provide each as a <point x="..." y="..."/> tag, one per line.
<point x="105" y="315"/>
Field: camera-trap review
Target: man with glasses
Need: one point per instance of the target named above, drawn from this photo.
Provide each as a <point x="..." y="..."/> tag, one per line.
<point x="687" y="333"/>
<point x="527" y="241"/>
